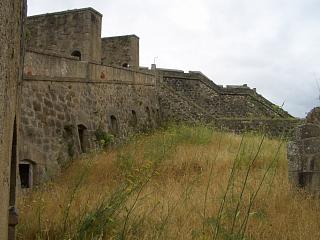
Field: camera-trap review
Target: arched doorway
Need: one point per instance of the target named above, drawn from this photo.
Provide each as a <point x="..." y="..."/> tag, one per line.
<point x="26" y="173"/>
<point x="134" y="119"/>
<point x="114" y="125"/>
<point x="83" y="138"/>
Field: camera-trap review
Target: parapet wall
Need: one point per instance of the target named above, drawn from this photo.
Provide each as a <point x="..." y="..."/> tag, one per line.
<point x="65" y="102"/>
<point x="46" y="66"/>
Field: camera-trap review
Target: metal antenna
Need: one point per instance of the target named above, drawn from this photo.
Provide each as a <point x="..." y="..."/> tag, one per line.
<point x="154" y="60"/>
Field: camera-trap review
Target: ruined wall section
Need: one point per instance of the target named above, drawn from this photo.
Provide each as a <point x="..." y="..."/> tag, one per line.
<point x="304" y="154"/>
<point x="67" y="32"/>
<point x="11" y="20"/>
<point x="221" y="102"/>
<point x="121" y="51"/>
<point x="117" y="101"/>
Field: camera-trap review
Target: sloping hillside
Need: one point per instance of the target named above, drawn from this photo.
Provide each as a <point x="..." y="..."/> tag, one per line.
<point x="178" y="183"/>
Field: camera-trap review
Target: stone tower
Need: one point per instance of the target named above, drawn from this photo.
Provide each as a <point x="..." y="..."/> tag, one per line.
<point x="120" y="51"/>
<point x="70" y="33"/>
<point x="11" y="22"/>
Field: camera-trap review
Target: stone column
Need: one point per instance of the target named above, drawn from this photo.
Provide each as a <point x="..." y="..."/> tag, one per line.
<point x="11" y="48"/>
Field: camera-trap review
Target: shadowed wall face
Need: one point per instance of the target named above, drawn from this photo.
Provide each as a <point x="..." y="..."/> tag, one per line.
<point x="122" y="51"/>
<point x="69" y="33"/>
<point x="11" y="12"/>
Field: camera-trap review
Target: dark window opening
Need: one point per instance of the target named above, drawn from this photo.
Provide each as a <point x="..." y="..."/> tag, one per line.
<point x="82" y="131"/>
<point x="304" y="178"/>
<point x="77" y="54"/>
<point x="148" y="114"/>
<point x="25" y="175"/>
<point x="134" y="120"/>
<point x="312" y="165"/>
<point x="114" y="126"/>
<point x="126" y="65"/>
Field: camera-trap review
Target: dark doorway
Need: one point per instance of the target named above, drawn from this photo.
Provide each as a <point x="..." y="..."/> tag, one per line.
<point x="148" y="116"/>
<point x="82" y="131"/>
<point x="25" y="175"/>
<point x="304" y="179"/>
<point x="134" y="119"/>
<point x="77" y="54"/>
<point x="114" y="125"/>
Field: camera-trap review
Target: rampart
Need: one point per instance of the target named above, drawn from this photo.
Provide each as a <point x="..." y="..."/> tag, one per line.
<point x="66" y="101"/>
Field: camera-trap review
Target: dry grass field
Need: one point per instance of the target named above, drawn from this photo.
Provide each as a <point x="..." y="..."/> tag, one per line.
<point x="178" y="183"/>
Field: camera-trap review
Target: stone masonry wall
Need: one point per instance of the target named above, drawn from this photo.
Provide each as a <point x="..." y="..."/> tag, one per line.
<point x="11" y="18"/>
<point x="189" y="98"/>
<point x="121" y="51"/>
<point x="66" y="32"/>
<point x="304" y="154"/>
<point x="61" y="94"/>
<point x="221" y="102"/>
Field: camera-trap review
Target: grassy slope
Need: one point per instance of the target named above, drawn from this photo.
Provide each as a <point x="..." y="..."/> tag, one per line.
<point x="179" y="183"/>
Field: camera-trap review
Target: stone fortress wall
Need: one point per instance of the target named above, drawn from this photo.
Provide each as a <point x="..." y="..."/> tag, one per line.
<point x="304" y="154"/>
<point x="11" y="40"/>
<point x="65" y="101"/>
<point x="76" y="84"/>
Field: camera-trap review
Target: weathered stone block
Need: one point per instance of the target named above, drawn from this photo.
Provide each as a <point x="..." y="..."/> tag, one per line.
<point x="309" y="130"/>
<point x="311" y="145"/>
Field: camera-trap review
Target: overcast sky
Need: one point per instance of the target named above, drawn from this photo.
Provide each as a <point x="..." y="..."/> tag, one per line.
<point x="272" y="45"/>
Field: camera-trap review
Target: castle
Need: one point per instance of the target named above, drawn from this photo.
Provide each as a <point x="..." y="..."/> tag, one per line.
<point x="76" y="85"/>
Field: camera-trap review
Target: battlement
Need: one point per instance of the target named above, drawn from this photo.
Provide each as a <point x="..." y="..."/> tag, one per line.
<point x="67" y="12"/>
<point x="44" y="66"/>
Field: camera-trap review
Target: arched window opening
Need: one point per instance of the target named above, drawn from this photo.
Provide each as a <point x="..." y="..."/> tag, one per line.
<point x="26" y="171"/>
<point x="134" y="119"/>
<point x="77" y="54"/>
<point x="126" y="65"/>
<point x="83" y="138"/>
<point x="114" y="125"/>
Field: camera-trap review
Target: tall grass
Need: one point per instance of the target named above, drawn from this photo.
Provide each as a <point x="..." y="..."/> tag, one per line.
<point x="179" y="183"/>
